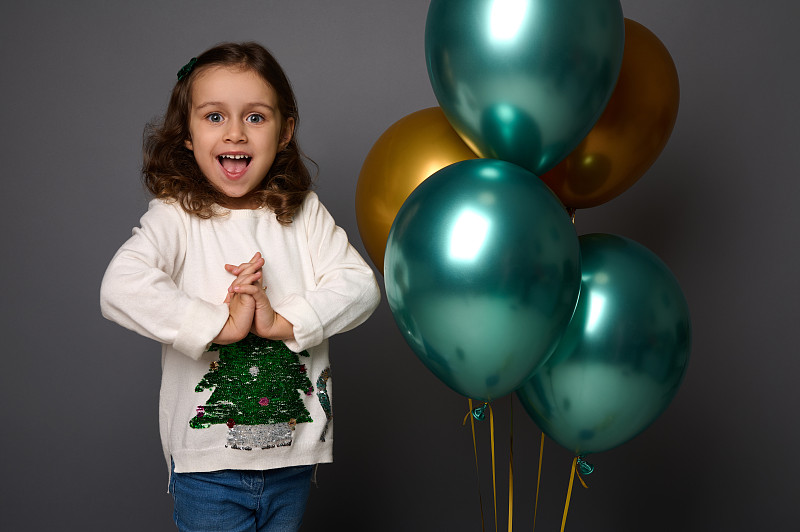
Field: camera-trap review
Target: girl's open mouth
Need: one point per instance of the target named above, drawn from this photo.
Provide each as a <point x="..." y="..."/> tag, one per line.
<point x="234" y="165"/>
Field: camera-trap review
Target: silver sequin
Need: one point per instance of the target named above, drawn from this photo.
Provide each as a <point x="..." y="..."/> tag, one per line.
<point x="249" y="437"/>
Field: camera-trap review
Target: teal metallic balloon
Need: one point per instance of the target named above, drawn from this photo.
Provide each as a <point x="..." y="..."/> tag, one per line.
<point x="623" y="355"/>
<point x="482" y="274"/>
<point x="524" y="80"/>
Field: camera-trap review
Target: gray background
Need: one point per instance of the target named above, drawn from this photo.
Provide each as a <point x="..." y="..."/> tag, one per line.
<point x="80" y="447"/>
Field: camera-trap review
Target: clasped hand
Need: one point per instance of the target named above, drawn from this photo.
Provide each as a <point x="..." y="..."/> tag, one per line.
<point x="249" y="308"/>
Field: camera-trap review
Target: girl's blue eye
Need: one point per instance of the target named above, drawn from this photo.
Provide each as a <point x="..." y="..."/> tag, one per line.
<point x="255" y="118"/>
<point x="214" y="117"/>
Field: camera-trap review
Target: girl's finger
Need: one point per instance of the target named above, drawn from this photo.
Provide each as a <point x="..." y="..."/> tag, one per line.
<point x="244" y="267"/>
<point x="250" y="279"/>
<point x="250" y="267"/>
<point x="249" y="270"/>
<point x="249" y="289"/>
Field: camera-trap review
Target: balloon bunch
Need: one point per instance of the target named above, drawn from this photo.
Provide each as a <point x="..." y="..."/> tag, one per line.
<point x="545" y="106"/>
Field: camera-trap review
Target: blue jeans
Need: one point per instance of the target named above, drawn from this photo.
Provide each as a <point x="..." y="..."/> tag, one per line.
<point x="241" y="501"/>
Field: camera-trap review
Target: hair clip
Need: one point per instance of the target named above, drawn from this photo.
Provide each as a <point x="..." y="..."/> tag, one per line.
<point x="187" y="68"/>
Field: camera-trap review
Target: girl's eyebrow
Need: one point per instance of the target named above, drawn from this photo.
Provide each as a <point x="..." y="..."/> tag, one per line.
<point x="220" y="104"/>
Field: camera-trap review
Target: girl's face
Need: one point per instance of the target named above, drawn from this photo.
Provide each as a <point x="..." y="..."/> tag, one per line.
<point x="235" y="130"/>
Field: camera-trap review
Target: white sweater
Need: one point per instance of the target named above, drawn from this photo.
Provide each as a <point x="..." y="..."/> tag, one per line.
<point x="168" y="283"/>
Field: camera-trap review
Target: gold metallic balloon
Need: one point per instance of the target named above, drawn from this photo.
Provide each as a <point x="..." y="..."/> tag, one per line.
<point x="632" y="130"/>
<point x="407" y="153"/>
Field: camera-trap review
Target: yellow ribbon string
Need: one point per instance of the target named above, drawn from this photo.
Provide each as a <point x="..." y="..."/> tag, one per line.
<point x="511" y="466"/>
<point x="475" y="451"/>
<point x="581" y="479"/>
<point x="494" y="476"/>
<point x="569" y="493"/>
<point x="538" y="480"/>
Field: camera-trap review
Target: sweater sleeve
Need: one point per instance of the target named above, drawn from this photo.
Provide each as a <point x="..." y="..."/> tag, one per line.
<point x="139" y="291"/>
<point x="345" y="292"/>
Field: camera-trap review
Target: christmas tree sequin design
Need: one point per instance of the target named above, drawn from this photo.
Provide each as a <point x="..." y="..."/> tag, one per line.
<point x="258" y="387"/>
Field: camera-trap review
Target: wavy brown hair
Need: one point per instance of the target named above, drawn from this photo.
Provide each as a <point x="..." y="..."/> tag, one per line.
<point x="170" y="170"/>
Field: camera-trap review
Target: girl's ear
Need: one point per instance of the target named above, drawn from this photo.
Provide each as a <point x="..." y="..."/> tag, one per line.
<point x="188" y="144"/>
<point x="286" y="133"/>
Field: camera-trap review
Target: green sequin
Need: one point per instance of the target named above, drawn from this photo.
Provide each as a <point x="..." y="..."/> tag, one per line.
<point x="324" y="399"/>
<point x="256" y="382"/>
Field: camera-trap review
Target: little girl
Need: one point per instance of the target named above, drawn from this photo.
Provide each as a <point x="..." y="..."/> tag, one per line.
<point x="242" y="275"/>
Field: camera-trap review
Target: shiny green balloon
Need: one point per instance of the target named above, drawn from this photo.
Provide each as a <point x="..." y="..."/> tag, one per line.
<point x="524" y="80"/>
<point x="623" y="355"/>
<point x="482" y="274"/>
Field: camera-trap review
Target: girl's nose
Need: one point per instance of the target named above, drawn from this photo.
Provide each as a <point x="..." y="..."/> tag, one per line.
<point x="235" y="132"/>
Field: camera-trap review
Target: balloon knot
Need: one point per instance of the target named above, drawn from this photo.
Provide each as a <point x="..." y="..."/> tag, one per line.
<point x="479" y="413"/>
<point x="584" y="467"/>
